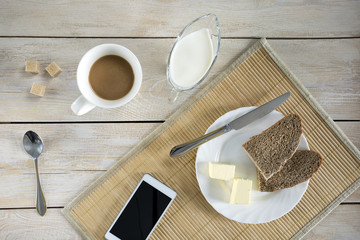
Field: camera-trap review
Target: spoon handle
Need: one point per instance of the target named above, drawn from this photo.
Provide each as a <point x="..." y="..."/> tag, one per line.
<point x="40" y="199"/>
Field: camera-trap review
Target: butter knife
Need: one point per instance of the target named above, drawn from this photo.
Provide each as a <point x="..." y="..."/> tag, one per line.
<point x="236" y="124"/>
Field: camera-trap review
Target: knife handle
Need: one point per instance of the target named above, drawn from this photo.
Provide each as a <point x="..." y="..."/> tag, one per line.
<point x="185" y="147"/>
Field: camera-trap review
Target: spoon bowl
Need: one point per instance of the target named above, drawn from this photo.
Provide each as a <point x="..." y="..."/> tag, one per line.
<point x="33" y="145"/>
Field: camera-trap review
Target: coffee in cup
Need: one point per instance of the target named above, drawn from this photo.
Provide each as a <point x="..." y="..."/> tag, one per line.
<point x="108" y="76"/>
<point x="111" y="77"/>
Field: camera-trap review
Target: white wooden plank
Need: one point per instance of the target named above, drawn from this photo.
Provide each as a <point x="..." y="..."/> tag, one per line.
<point x="18" y="189"/>
<point x="352" y="132"/>
<point x="28" y="224"/>
<point x="74" y="156"/>
<point x="93" y="149"/>
<point x="71" y="147"/>
<point x="354" y="198"/>
<point x="262" y="18"/>
<point x="329" y="68"/>
<point x="86" y="147"/>
<point x="342" y="223"/>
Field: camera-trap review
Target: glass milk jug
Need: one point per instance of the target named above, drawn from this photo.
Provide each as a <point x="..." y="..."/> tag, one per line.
<point x="193" y="54"/>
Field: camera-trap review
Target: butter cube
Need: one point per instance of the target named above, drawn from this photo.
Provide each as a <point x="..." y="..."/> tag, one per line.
<point x="53" y="69"/>
<point x="32" y="66"/>
<point x="38" y="89"/>
<point x="240" y="192"/>
<point x="221" y="171"/>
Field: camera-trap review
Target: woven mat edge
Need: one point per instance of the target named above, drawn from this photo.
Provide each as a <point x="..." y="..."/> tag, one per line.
<point x="157" y="132"/>
<point x="334" y="127"/>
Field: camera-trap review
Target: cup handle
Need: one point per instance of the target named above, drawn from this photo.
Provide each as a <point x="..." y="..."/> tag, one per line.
<point x="81" y="106"/>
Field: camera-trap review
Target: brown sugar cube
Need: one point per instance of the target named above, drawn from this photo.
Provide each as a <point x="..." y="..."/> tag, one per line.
<point x="53" y="69"/>
<point x="38" y="89"/>
<point x="32" y="66"/>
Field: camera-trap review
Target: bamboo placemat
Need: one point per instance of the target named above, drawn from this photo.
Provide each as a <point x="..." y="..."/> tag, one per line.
<point x="255" y="78"/>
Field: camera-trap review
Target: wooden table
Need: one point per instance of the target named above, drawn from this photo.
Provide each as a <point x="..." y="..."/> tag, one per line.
<point x="319" y="41"/>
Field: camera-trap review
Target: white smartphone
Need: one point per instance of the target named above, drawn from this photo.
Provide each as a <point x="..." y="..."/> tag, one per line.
<point x="143" y="211"/>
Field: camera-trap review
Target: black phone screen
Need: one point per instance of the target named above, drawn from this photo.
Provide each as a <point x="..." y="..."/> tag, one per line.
<point x="141" y="213"/>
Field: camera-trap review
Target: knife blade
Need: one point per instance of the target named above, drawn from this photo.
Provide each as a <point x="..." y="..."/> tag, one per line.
<point x="236" y="124"/>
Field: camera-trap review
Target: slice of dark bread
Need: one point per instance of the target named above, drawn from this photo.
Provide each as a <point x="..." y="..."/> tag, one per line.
<point x="298" y="169"/>
<point x="272" y="148"/>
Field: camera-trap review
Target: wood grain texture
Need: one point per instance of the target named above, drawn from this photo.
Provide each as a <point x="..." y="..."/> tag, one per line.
<point x="18" y="189"/>
<point x="92" y="146"/>
<point x="352" y="132"/>
<point x="342" y="223"/>
<point x="330" y="69"/>
<point x="261" y="18"/>
<point x="74" y="156"/>
<point x="71" y="147"/>
<point x="59" y="188"/>
<point x="93" y="149"/>
<point x="28" y="224"/>
<point x="353" y="198"/>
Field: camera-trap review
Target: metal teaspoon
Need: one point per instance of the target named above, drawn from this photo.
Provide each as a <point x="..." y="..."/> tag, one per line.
<point x="34" y="146"/>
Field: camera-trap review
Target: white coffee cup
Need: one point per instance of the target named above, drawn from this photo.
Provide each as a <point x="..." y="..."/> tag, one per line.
<point x="89" y="100"/>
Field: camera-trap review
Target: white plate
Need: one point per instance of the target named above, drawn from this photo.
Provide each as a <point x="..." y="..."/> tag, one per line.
<point x="264" y="206"/>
